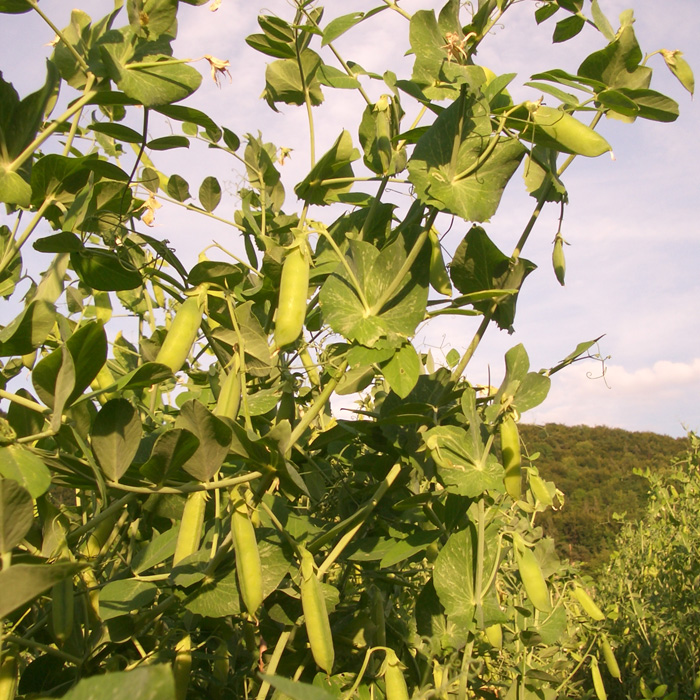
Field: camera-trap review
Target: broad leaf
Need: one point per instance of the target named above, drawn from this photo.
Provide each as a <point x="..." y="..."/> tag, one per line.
<point x="479" y="265"/>
<point x="471" y="184"/>
<point x="124" y="596"/>
<point x="16" y="514"/>
<point x="105" y="270"/>
<point x="214" y="436"/>
<point x="29" y="330"/>
<point x="24" y="467"/>
<point x="283" y="80"/>
<point x="171" y="450"/>
<point x="116" y="433"/>
<point x="402" y="370"/>
<point x="88" y="349"/>
<point x="21" y="583"/>
<point x="153" y="682"/>
<point x="375" y="271"/>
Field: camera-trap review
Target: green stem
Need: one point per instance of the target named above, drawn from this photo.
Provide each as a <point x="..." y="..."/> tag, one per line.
<point x="59" y="34"/>
<point x="274" y="662"/>
<point x="401" y="275"/>
<point x="192" y="207"/>
<point x="187" y="488"/>
<point x="366" y="510"/>
<point x="76" y="119"/>
<point x="315" y="408"/>
<point x="107" y="512"/>
<point x="22" y="401"/>
<point x="484" y="156"/>
<point x="51" y="650"/>
<point x="464" y="671"/>
<point x="16" y="245"/>
<point x="374" y="206"/>
<point x="393" y="6"/>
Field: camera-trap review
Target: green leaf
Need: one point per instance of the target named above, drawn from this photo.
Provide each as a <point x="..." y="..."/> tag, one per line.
<point x="220" y="598"/>
<point x="194" y="116"/>
<point x="375" y="271"/>
<point x="296" y="690"/>
<point x="462" y="470"/>
<point x="269" y="47"/>
<point x="170" y="451"/>
<point x="16" y="514"/>
<point x="160" y="548"/>
<point x="14" y="189"/>
<point x="29" y="330"/>
<point x="14" y="7"/>
<point x="283" y="80"/>
<point x="334" y="164"/>
<point x="125" y="596"/>
<point x="115" y="437"/>
<point x="402" y="370"/>
<point x="601" y="21"/>
<point x="479" y="265"/>
<point x="64" y="242"/>
<point x="88" y="348"/>
<point x="23" y="466"/>
<point x="21" y="583"/>
<point x="151" y="18"/>
<point x="470" y="185"/>
<point x="105" y="270"/>
<point x="339" y="25"/>
<point x="210" y="193"/>
<point x="154" y="682"/>
<point x="618" y="64"/>
<point x="166" y="143"/>
<point x="407" y="547"/>
<point x="652" y="105"/>
<point x="214" y="439"/>
<point x="568" y="28"/>
<point x="120" y="132"/>
<point x="178" y="188"/>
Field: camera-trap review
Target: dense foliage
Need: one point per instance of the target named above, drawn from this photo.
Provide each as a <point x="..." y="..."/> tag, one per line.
<point x="227" y="535"/>
<point x="653" y="586"/>
<point x="597" y="470"/>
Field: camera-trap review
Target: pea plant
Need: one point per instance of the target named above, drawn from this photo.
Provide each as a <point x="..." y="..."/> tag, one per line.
<point x="181" y="514"/>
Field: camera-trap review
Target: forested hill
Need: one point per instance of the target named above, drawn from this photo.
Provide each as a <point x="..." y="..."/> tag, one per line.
<point x="594" y="468"/>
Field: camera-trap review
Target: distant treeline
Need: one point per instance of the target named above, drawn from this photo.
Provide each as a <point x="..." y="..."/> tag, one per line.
<point x="594" y="467"/>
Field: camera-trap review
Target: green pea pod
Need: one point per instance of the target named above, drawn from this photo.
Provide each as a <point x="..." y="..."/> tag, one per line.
<point x="598" y="684"/>
<point x="510" y="451"/>
<point x="294" y="289"/>
<point x="394" y="680"/>
<point x="532" y="577"/>
<point x="221" y="665"/>
<point x="609" y="657"/>
<point x="439" y="279"/>
<point x="8" y="674"/>
<point x="190" y="532"/>
<point x="318" y="627"/>
<point x="587" y="603"/>
<point x="556" y="129"/>
<point x="182" y="666"/>
<point x="229" y="400"/>
<point x="558" y="260"/>
<point x="248" y="566"/>
<point x="99" y="536"/>
<point x="540" y="491"/>
<point x="182" y="334"/>
<point x="62" y="609"/>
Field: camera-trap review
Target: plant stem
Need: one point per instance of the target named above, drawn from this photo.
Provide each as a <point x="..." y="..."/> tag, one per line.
<point x="188" y="488"/>
<point x="16" y="244"/>
<point x="274" y="661"/>
<point x="317" y="406"/>
<point x="22" y="401"/>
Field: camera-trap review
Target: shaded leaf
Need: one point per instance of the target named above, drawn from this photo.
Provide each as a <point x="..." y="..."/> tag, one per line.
<point x="24" y="467"/>
<point x="104" y="270"/>
<point x="28" y="330"/>
<point x="154" y="682"/>
<point x="16" y="514"/>
<point x="115" y="437"/>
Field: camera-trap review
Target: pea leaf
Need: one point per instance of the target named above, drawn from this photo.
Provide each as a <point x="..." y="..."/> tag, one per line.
<point x="153" y="682"/>
<point x="16" y="514"/>
<point x="23" y="466"/>
<point x="28" y="330"/>
<point x="115" y="437"/>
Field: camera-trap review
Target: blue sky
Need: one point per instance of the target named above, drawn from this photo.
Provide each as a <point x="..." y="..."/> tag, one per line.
<point x="632" y="266"/>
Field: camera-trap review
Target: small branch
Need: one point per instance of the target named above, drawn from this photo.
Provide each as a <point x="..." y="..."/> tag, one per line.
<point x="187" y="488"/>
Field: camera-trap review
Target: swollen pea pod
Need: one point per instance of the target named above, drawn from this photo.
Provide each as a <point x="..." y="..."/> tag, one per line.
<point x="8" y="675"/>
<point x="62" y="607"/>
<point x="531" y="575"/>
<point x="394" y="681"/>
<point x="554" y="128"/>
<point x="229" y="400"/>
<point x="439" y="279"/>
<point x="318" y="627"/>
<point x="512" y="460"/>
<point x="248" y="566"/>
<point x="190" y="532"/>
<point x="609" y="657"/>
<point x="182" y="666"/>
<point x="182" y="334"/>
<point x="294" y="289"/>
<point x="97" y="539"/>
<point x="587" y="603"/>
<point x="221" y="665"/>
<point x="598" y="684"/>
